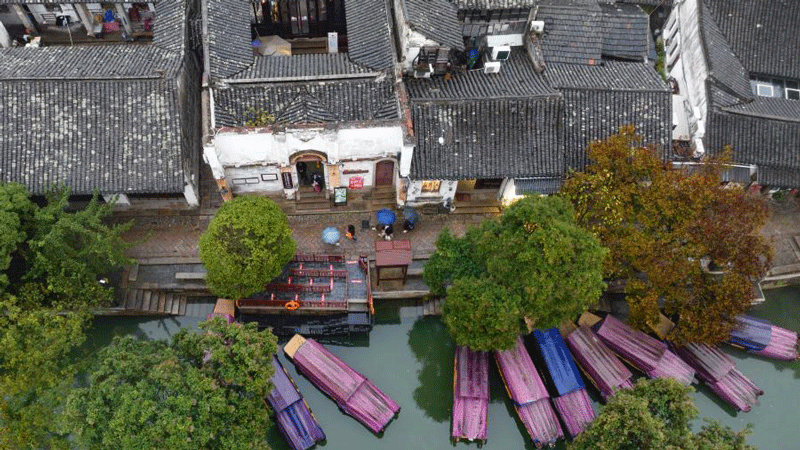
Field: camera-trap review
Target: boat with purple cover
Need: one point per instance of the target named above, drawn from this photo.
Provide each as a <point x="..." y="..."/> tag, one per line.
<point x="293" y="415"/>
<point x="572" y="402"/>
<point x="355" y="394"/>
<point x="599" y="363"/>
<point x="719" y="373"/>
<point x="530" y="397"/>
<point x="760" y="337"/>
<point x="644" y="352"/>
<point x="470" y="394"/>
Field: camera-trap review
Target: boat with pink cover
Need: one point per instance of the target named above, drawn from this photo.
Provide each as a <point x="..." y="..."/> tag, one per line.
<point x="353" y="392"/>
<point x="531" y="400"/>
<point x="470" y="394"/>
<point x="598" y="362"/>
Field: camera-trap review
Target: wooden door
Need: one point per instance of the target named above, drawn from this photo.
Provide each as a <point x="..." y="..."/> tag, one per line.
<point x="384" y="173"/>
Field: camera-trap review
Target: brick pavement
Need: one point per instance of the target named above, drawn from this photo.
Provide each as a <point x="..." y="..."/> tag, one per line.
<point x="177" y="235"/>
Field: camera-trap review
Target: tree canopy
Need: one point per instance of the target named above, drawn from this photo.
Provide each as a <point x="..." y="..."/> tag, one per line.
<point x="201" y="390"/>
<point x="245" y="246"/>
<point x="656" y="415"/>
<point x="534" y="263"/>
<point x="58" y="256"/>
<point x="663" y="226"/>
<point x="50" y="264"/>
<point x="36" y="371"/>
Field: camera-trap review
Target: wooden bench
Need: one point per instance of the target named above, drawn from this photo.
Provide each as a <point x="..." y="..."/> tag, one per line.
<point x="190" y="275"/>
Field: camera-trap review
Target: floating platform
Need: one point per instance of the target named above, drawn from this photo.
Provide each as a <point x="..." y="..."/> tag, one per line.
<point x="529" y="394"/>
<point x="354" y="393"/>
<point x="599" y="363"/>
<point x="572" y="402"/>
<point x="760" y="337"/>
<point x="293" y="415"/>
<point x="720" y="374"/>
<point x="644" y="352"/>
<point x="317" y="295"/>
<point x="470" y="394"/>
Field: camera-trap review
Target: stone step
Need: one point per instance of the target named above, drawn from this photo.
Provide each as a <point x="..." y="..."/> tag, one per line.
<point x="477" y="210"/>
<point x="312" y="206"/>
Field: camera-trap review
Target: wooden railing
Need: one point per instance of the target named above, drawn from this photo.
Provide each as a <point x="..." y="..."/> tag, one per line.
<point x="304" y="304"/>
<point x="313" y="257"/>
<point x="320" y="273"/>
<point x="287" y="287"/>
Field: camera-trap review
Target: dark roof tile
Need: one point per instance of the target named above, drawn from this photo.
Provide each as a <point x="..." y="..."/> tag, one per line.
<point x="229" y="37"/>
<point x="436" y="20"/>
<point x="625" y="30"/>
<point x="494" y="4"/>
<point x="299" y="67"/>
<point x="763" y="34"/>
<point x="724" y="68"/>
<point x="572" y="34"/>
<point x="120" y="136"/>
<point x="310" y="102"/>
<point x="487" y="138"/>
<point x="369" y="40"/>
<point x="516" y="79"/>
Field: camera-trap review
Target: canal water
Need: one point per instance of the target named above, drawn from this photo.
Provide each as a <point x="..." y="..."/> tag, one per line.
<point x="410" y="358"/>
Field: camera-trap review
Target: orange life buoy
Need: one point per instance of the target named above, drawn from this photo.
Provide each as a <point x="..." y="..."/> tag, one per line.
<point x="292" y="305"/>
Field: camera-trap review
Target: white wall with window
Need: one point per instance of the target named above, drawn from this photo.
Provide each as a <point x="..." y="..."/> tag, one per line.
<point x="259" y="161"/>
<point x="776" y="88"/>
<point x="426" y="192"/>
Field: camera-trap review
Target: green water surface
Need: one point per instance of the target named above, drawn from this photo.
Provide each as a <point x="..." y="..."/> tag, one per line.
<point x="410" y="358"/>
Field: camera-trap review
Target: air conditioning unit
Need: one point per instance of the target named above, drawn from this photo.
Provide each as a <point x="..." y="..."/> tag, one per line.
<point x="491" y="67"/>
<point x="537" y="26"/>
<point x="423" y="71"/>
<point x="500" y="53"/>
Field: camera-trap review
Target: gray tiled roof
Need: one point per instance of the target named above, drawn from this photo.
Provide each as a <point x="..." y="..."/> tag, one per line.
<point x="298" y="67"/>
<point x="229" y="49"/>
<point x="724" y="68"/>
<point x="516" y="79"/>
<point x="774" y="108"/>
<point x="116" y="136"/>
<point x="625" y="30"/>
<point x="311" y="102"/>
<point x="487" y="138"/>
<point x="610" y="75"/>
<point x="436" y="20"/>
<point x="369" y="38"/>
<point x="545" y="186"/>
<point x="754" y="140"/>
<point x="763" y="34"/>
<point x="494" y="4"/>
<point x="100" y="117"/>
<point x="170" y="31"/>
<point x="572" y="34"/>
<point x="778" y="177"/>
<point x="93" y="62"/>
<point x="600" y="99"/>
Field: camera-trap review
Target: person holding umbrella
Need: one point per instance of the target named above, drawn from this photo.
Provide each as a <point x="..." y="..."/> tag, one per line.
<point x="331" y="236"/>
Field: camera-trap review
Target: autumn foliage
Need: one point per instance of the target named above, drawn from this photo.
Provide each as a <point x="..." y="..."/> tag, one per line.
<point x="680" y="240"/>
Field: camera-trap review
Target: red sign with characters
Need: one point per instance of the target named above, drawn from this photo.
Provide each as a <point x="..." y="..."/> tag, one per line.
<point x="356" y="182"/>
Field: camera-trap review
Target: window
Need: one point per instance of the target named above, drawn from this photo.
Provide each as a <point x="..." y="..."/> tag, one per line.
<point x="249" y="180"/>
<point x="764" y="90"/>
<point x="792" y="90"/>
<point x="269" y="177"/>
<point x="431" y="186"/>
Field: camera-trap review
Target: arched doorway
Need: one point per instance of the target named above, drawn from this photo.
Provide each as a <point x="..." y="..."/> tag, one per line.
<point x="310" y="167"/>
<point x="384" y="173"/>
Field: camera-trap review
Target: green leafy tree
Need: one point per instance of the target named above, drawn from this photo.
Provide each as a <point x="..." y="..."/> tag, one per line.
<point x="482" y="314"/>
<point x="656" y="415"/>
<point x="201" y="390"/>
<point x="661" y="224"/>
<point x="58" y="255"/>
<point x="245" y="246"/>
<point x="534" y="263"/>
<point x="36" y="370"/>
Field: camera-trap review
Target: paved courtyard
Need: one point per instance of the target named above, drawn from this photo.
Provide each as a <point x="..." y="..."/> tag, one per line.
<point x="176" y="234"/>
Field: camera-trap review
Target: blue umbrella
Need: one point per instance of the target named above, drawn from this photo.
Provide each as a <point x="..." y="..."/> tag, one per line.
<point x="386" y="216"/>
<point x="331" y="235"/>
<point x="411" y="215"/>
